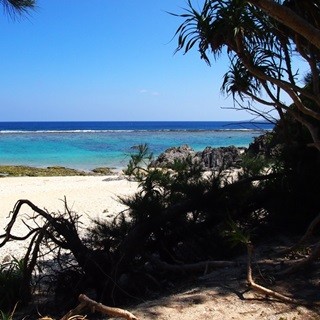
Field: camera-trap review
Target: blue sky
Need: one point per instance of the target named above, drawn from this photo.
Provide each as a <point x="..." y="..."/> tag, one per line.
<point x="105" y="60"/>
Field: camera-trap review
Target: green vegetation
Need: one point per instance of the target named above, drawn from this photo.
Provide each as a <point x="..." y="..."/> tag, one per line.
<point x="17" y="7"/>
<point x="102" y="171"/>
<point x="262" y="45"/>
<point x="21" y="171"/>
<point x="11" y="275"/>
<point x="6" y="315"/>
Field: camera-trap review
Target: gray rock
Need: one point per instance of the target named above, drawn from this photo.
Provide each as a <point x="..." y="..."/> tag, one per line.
<point x="168" y="157"/>
<point x="220" y="158"/>
<point x="210" y="158"/>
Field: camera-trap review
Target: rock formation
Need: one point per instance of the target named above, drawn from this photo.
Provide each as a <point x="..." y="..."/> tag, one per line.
<point x="210" y="158"/>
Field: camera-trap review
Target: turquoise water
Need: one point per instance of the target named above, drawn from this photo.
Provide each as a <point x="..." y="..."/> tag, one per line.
<point x="90" y="148"/>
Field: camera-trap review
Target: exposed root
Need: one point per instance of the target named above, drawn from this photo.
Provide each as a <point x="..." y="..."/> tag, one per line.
<point x="86" y="302"/>
<point x="263" y="290"/>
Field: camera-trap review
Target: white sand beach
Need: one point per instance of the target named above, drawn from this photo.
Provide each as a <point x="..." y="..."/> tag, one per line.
<point x="89" y="196"/>
<point x="96" y="197"/>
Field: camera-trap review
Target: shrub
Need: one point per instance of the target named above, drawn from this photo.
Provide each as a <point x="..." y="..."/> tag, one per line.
<point x="11" y="275"/>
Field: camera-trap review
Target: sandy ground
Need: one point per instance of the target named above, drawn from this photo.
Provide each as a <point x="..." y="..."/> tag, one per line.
<point x="221" y="295"/>
<point x="91" y="197"/>
<point x="220" y="303"/>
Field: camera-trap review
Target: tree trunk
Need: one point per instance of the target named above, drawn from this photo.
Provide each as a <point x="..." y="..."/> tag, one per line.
<point x="290" y="19"/>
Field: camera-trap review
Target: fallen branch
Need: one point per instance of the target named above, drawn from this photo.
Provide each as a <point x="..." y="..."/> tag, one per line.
<point x="192" y="267"/>
<point x="86" y="302"/>
<point x="264" y="290"/>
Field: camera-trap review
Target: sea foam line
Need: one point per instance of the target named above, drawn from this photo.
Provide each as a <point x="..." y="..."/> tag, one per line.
<point x="128" y="131"/>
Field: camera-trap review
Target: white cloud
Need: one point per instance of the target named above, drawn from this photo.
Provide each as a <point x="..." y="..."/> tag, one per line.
<point x="151" y="93"/>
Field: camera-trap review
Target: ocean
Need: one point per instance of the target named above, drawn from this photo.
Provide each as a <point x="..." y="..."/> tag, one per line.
<point x="88" y="145"/>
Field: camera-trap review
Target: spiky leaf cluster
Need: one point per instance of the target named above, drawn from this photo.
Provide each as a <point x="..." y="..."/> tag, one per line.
<point x="262" y="52"/>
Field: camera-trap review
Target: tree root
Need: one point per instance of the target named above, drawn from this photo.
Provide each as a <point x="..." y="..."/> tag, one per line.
<point x="263" y="290"/>
<point x="86" y="302"/>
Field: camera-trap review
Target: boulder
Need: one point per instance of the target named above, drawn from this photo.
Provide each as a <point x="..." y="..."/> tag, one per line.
<point x="168" y="157"/>
<point x="220" y="158"/>
<point x="210" y="158"/>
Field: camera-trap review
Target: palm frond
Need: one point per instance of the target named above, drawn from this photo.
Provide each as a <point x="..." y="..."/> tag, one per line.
<point x="14" y="8"/>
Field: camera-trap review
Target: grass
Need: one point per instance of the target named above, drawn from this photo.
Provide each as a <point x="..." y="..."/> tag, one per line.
<point x="11" y="274"/>
<point x="22" y="171"/>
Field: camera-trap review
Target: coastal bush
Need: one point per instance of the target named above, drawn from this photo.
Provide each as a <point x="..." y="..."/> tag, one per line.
<point x="11" y="274"/>
<point x="6" y="315"/>
<point x="183" y="212"/>
<point x="254" y="164"/>
<point x="293" y="203"/>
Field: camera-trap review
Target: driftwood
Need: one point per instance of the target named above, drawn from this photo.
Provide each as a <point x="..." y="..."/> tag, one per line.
<point x="88" y="303"/>
<point x="263" y="290"/>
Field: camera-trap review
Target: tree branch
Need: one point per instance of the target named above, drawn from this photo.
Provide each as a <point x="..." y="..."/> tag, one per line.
<point x="290" y="19"/>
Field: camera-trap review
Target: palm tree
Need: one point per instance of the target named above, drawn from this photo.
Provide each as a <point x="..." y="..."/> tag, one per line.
<point x="303" y="17"/>
<point x="260" y="51"/>
<point x="13" y="7"/>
